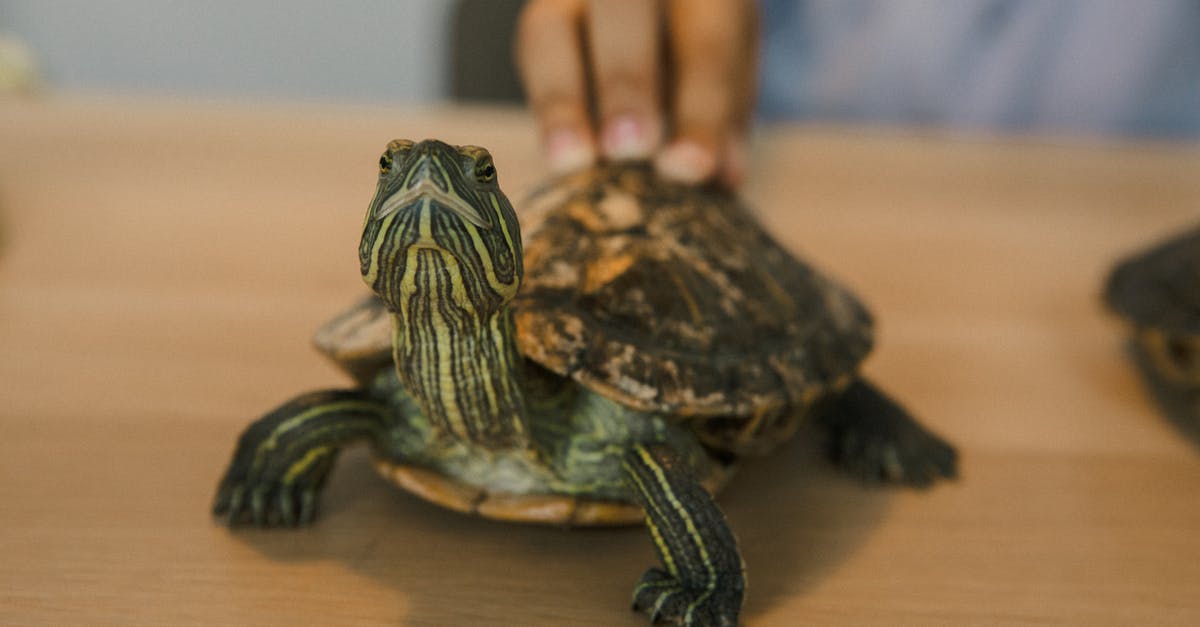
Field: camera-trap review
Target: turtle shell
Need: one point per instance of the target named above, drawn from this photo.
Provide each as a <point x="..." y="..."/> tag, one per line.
<point x="1158" y="291"/>
<point x="672" y="298"/>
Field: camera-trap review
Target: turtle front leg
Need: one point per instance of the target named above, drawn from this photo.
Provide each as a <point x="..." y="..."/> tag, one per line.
<point x="282" y="459"/>
<point x="702" y="581"/>
<point x="876" y="439"/>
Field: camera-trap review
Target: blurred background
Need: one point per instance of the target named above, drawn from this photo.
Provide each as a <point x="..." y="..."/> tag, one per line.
<point x="1065" y="66"/>
<point x="396" y="51"/>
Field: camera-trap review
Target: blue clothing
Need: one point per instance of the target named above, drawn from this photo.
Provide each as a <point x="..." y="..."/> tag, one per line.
<point x="1076" y="66"/>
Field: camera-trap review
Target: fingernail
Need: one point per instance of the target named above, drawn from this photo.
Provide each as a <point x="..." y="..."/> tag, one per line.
<point x="567" y="150"/>
<point x="686" y="162"/>
<point x="627" y="137"/>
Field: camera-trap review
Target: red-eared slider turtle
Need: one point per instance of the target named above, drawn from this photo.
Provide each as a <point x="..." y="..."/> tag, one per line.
<point x="1158" y="292"/>
<point x="648" y="336"/>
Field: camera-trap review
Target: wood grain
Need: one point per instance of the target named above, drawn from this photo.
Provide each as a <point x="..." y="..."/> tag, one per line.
<point x="164" y="263"/>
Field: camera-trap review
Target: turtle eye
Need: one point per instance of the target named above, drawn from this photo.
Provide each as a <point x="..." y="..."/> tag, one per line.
<point x="385" y="163"/>
<point x="485" y="171"/>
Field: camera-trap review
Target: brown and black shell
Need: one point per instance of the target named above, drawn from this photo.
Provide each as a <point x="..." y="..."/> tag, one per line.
<point x="673" y="298"/>
<point x="1158" y="291"/>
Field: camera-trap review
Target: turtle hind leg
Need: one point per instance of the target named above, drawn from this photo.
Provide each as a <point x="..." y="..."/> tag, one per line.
<point x="282" y="459"/>
<point x="876" y="439"/>
<point x="702" y="581"/>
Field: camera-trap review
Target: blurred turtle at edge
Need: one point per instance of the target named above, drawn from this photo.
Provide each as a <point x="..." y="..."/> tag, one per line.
<point x="1157" y="291"/>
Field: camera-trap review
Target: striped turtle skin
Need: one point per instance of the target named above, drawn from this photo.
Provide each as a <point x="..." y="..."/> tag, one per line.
<point x="610" y="366"/>
<point x="1157" y="291"/>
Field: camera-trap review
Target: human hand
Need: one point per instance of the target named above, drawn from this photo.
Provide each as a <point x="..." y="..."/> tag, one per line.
<point x="671" y="80"/>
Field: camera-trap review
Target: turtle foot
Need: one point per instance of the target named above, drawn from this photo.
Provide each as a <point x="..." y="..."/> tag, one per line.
<point x="273" y="479"/>
<point x="665" y="600"/>
<point x="282" y="459"/>
<point x="875" y="439"/>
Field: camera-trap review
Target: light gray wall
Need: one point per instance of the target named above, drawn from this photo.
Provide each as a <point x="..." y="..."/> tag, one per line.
<point x="360" y="51"/>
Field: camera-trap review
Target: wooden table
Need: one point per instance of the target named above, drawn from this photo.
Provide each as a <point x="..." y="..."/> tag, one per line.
<point x="164" y="263"/>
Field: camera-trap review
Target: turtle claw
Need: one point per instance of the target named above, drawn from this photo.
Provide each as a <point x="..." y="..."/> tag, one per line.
<point x="665" y="600"/>
<point x="258" y="508"/>
<point x="296" y="508"/>
<point x="308" y="507"/>
<point x="287" y="511"/>
<point x="228" y="504"/>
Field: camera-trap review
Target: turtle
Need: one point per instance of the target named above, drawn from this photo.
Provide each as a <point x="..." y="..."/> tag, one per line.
<point x="1157" y="291"/>
<point x="611" y="367"/>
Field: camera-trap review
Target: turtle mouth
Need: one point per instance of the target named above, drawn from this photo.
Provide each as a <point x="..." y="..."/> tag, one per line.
<point x="426" y="190"/>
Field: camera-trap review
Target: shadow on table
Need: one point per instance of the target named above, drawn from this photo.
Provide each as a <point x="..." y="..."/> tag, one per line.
<point x="797" y="519"/>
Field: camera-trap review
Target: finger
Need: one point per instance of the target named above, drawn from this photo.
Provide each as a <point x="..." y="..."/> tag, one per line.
<point x="745" y="69"/>
<point x="623" y="36"/>
<point x="550" y="59"/>
<point x="732" y="168"/>
<point x="707" y="49"/>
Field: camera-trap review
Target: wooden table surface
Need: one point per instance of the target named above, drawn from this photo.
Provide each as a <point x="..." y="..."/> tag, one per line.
<point x="163" y="264"/>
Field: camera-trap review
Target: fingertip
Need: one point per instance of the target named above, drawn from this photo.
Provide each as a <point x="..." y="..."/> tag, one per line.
<point x="625" y="47"/>
<point x="551" y="61"/>
<point x="686" y="161"/>
<point x="713" y="53"/>
<point x="568" y="149"/>
<point x="628" y="136"/>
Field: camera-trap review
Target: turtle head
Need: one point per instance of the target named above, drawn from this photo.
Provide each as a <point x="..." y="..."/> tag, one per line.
<point x="442" y="249"/>
<point x="438" y="218"/>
